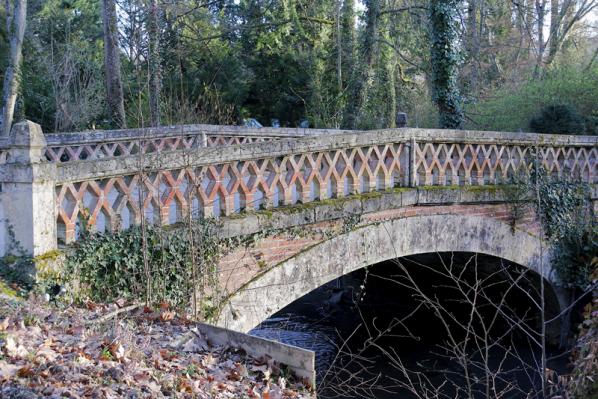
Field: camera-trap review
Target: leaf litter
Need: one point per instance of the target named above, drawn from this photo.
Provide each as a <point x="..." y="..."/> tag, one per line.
<point x="74" y="352"/>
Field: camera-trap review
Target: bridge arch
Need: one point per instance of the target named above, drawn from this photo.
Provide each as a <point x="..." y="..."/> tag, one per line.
<point x="374" y="243"/>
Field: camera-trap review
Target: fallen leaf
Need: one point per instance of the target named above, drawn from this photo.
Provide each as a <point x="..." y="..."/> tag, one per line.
<point x="25" y="372"/>
<point x="167" y="315"/>
<point x="4" y="324"/>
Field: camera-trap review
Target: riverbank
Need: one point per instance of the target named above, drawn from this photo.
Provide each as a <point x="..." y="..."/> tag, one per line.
<point x="124" y="350"/>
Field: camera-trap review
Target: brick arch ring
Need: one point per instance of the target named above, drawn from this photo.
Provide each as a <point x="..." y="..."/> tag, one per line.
<point x="291" y="279"/>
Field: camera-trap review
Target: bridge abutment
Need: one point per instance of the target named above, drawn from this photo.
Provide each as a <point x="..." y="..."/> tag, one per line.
<point x="27" y="197"/>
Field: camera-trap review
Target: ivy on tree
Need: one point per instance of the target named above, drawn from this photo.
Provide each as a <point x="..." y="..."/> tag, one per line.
<point x="445" y="60"/>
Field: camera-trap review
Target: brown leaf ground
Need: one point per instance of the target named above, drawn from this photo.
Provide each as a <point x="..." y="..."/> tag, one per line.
<point x="50" y="352"/>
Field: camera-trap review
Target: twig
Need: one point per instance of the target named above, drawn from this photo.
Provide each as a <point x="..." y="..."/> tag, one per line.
<point x="110" y="315"/>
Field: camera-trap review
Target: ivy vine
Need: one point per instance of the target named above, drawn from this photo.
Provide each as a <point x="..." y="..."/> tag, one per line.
<point x="564" y="207"/>
<point x="445" y="60"/>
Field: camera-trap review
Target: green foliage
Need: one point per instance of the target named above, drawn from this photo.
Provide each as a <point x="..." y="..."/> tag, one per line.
<point x="574" y="255"/>
<point x="17" y="266"/>
<point x="511" y="107"/>
<point x="568" y="221"/>
<point x="445" y="60"/>
<point x="558" y="119"/>
<point x="111" y="266"/>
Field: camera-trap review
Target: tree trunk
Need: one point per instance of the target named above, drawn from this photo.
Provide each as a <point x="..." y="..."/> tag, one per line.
<point x="444" y="60"/>
<point x="473" y="44"/>
<point x="540" y="14"/>
<point x="555" y="20"/>
<point x="348" y="40"/>
<point x="114" y="86"/>
<point x="16" y="32"/>
<point x="361" y="85"/>
<point x="154" y="60"/>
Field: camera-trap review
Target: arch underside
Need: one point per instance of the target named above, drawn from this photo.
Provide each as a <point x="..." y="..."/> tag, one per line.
<point x="373" y="244"/>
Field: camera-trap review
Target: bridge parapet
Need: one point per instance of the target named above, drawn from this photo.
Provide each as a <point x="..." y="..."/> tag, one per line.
<point x="166" y="185"/>
<point x="99" y="144"/>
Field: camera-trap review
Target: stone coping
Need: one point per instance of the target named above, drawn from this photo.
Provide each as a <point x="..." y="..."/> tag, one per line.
<point x="108" y="167"/>
<point x="179" y="130"/>
<point x="99" y="136"/>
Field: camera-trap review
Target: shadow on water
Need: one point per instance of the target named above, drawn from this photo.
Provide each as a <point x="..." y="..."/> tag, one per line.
<point x="348" y="312"/>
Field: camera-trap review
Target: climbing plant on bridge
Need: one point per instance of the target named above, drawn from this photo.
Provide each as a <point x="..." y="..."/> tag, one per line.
<point x="567" y="220"/>
<point x="111" y="266"/>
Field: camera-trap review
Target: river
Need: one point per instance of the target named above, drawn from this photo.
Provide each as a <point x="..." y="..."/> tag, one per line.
<point x="323" y="320"/>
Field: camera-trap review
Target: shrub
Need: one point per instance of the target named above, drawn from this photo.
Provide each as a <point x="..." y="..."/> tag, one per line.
<point x="511" y="107"/>
<point x="558" y="119"/>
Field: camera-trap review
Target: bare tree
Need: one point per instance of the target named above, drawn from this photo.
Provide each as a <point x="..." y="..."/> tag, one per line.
<point x="155" y="78"/>
<point x="114" y="86"/>
<point x="15" y="22"/>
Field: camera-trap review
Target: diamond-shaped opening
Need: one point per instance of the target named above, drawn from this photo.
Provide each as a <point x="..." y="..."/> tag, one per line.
<point x="340" y="165"/>
<point x="468" y="155"/>
<point x="250" y="176"/>
<point x="84" y="154"/>
<point x="493" y="156"/>
<point x="68" y="202"/>
<point x="388" y="158"/>
<point x="208" y="182"/>
<point x="357" y="163"/>
<point x="228" y="180"/>
<point x="324" y="167"/>
<point x="306" y="170"/>
<point x="442" y="154"/>
<point x="373" y="160"/>
<point x="119" y="151"/>
<point x="90" y="200"/>
<point x="480" y="156"/>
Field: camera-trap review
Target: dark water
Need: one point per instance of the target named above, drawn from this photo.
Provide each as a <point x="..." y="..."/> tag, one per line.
<point x="323" y="321"/>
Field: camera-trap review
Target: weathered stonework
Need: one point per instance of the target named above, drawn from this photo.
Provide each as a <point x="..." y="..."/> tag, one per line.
<point x="258" y="291"/>
<point x="351" y="198"/>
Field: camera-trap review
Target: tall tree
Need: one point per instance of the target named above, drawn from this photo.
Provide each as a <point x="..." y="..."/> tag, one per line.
<point x="15" y="23"/>
<point x="359" y="87"/>
<point x="154" y="61"/>
<point x="347" y="40"/>
<point x="473" y="43"/>
<point x="445" y="61"/>
<point x="114" y="86"/>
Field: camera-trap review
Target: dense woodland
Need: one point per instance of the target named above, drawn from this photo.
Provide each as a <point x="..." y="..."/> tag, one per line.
<point x="516" y="65"/>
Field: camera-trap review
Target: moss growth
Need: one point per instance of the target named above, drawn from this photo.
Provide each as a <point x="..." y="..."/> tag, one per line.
<point x="5" y="290"/>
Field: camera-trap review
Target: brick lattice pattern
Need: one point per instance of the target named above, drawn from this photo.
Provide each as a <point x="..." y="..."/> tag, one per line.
<point x="165" y="196"/>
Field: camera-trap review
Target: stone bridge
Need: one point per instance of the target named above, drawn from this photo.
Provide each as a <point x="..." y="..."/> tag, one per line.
<point x="323" y="203"/>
